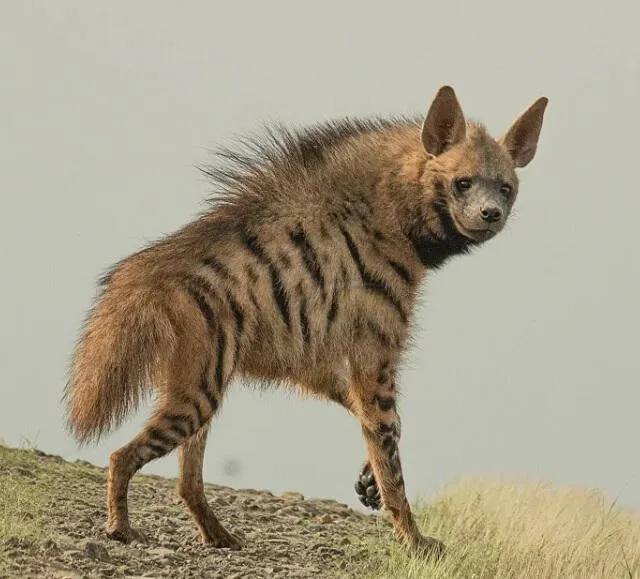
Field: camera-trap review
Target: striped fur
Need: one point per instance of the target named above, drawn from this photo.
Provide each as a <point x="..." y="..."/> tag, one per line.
<point x="305" y="271"/>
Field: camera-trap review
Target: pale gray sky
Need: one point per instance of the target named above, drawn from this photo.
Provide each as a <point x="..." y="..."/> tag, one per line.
<point x="526" y="361"/>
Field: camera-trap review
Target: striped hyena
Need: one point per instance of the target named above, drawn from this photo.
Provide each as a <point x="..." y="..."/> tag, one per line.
<point x="305" y="272"/>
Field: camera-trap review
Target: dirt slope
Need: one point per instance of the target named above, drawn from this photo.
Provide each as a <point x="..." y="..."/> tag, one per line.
<point x="53" y="527"/>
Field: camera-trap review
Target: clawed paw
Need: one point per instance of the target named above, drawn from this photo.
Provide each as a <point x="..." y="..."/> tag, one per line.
<point x="125" y="534"/>
<point x="367" y="490"/>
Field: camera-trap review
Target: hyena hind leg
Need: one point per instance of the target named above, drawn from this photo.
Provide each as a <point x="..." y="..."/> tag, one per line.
<point x="191" y="490"/>
<point x="179" y="416"/>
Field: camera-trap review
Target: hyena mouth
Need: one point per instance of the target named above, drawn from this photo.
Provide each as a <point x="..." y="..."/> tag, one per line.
<point x="475" y="234"/>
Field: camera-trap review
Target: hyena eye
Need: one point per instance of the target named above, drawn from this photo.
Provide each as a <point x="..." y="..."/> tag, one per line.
<point x="505" y="189"/>
<point x="463" y="185"/>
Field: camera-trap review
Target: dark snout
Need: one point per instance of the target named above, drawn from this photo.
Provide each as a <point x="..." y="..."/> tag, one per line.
<point x="481" y="215"/>
<point x="490" y="212"/>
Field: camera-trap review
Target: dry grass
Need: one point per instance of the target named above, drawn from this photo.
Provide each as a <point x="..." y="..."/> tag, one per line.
<point x="514" y="529"/>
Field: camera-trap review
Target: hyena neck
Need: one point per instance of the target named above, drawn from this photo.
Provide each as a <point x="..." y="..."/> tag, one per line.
<point x="423" y="212"/>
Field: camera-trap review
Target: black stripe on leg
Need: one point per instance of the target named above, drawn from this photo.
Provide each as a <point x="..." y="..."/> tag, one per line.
<point x="201" y="417"/>
<point x="385" y="403"/>
<point x="388" y="444"/>
<point x="179" y="424"/>
<point x="389" y="429"/>
<point x="371" y="283"/>
<point x="155" y="434"/>
<point x="310" y="259"/>
<point x="157" y="450"/>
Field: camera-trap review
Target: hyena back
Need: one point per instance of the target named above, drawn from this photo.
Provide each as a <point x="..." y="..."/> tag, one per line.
<point x="305" y="272"/>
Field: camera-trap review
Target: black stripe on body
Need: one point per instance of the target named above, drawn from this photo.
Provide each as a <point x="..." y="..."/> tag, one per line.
<point x="236" y="308"/>
<point x="238" y="314"/>
<point x="198" y="290"/>
<point x="206" y="390"/>
<point x="304" y="320"/>
<point x="333" y="310"/>
<point x="310" y="259"/>
<point x="219" y="268"/>
<point x="401" y="270"/>
<point x="371" y="283"/>
<point x="277" y="287"/>
<point x="222" y="344"/>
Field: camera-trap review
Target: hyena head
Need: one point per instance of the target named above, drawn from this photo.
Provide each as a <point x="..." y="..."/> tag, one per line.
<point x="475" y="175"/>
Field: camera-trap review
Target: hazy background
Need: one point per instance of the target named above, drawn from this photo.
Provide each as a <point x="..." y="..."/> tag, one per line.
<point x="527" y="358"/>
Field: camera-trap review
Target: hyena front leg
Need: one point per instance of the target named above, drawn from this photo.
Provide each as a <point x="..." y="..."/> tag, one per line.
<point x="366" y="486"/>
<point x="191" y="490"/>
<point x="334" y="385"/>
<point x="381" y="429"/>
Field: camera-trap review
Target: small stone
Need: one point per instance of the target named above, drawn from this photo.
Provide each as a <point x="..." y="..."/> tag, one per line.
<point x="290" y="495"/>
<point x="326" y="519"/>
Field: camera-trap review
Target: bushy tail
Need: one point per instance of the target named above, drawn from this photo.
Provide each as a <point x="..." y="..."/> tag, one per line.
<point x="126" y="336"/>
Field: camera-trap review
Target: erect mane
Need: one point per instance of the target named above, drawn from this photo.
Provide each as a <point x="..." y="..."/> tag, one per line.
<point x="279" y="150"/>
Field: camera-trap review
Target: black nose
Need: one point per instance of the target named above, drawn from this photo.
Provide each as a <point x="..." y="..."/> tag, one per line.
<point x="491" y="214"/>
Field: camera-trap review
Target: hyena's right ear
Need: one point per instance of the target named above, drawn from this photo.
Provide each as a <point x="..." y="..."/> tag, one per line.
<point x="521" y="140"/>
<point x="444" y="125"/>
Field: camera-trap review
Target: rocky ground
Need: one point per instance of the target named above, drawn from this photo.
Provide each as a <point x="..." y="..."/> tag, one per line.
<point x="285" y="536"/>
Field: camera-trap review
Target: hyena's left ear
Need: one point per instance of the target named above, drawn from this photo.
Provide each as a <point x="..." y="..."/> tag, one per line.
<point x="444" y="125"/>
<point x="521" y="140"/>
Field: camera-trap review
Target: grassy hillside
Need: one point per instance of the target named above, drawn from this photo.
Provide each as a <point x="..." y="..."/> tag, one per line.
<point x="52" y="517"/>
<point x="517" y="529"/>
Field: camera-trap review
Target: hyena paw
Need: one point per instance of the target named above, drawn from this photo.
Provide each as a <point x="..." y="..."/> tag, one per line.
<point x="223" y="540"/>
<point x="428" y="548"/>
<point x="367" y="490"/>
<point x="125" y="534"/>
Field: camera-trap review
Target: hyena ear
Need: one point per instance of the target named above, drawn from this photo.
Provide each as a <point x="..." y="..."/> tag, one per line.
<point x="521" y="140"/>
<point x="444" y="125"/>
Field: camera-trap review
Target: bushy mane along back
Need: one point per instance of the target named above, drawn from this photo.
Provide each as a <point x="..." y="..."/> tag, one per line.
<point x="279" y="151"/>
